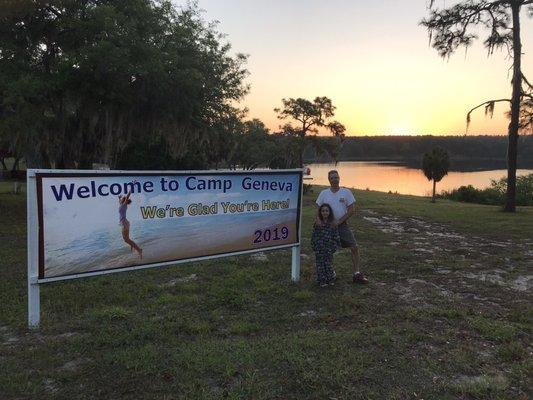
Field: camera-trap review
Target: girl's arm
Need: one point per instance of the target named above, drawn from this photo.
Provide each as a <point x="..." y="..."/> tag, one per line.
<point x="318" y="221"/>
<point x="336" y="237"/>
<point x="129" y="193"/>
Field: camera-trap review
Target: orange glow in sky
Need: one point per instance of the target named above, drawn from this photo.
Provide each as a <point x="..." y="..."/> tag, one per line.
<point x="372" y="59"/>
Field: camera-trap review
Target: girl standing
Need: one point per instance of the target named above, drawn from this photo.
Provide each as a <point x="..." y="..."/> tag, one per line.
<point x="325" y="241"/>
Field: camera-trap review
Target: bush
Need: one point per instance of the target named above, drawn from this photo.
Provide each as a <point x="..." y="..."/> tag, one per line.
<point x="524" y="190"/>
<point x="495" y="194"/>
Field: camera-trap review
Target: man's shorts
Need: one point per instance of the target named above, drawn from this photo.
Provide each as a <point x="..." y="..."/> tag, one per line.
<point x="346" y="235"/>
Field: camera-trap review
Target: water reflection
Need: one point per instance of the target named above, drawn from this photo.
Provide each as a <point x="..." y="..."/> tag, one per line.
<point x="395" y="177"/>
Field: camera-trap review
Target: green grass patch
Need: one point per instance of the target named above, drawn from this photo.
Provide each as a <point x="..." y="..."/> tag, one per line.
<point x="303" y="295"/>
<point x="480" y="387"/>
<point x="233" y="328"/>
<point x="196" y="327"/>
<point x="179" y="299"/>
<point x="472" y="218"/>
<point x="513" y="351"/>
<point x="227" y="296"/>
<point x="13" y="188"/>
<point x="111" y="313"/>
<point x="243" y="328"/>
<point x="493" y="329"/>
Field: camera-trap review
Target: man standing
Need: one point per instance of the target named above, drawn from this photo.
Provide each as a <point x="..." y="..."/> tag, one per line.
<point x="342" y="203"/>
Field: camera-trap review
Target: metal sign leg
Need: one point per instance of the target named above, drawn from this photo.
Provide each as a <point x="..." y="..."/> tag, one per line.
<point x="34" y="304"/>
<point x="295" y="273"/>
<point x="33" y="252"/>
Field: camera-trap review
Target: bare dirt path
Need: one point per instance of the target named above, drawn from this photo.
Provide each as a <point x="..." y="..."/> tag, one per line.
<point x="486" y="271"/>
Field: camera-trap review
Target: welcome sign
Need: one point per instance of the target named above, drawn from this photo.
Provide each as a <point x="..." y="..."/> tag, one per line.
<point x="100" y="221"/>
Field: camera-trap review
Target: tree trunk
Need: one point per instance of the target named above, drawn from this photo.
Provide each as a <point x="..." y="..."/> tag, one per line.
<point x="434" y="187"/>
<point x="510" y="198"/>
<point x="60" y="164"/>
<point x="15" y="164"/>
<point x="301" y="150"/>
<point x="44" y="160"/>
<point x="85" y="161"/>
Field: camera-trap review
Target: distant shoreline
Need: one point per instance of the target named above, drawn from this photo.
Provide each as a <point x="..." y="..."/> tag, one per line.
<point x="458" y="164"/>
<point x="482" y="152"/>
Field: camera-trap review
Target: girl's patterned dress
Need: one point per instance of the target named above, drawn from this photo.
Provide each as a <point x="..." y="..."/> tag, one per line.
<point x="325" y="241"/>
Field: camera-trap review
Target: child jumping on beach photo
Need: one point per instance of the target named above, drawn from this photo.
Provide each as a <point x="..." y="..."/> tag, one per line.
<point x="325" y="241"/>
<point x="123" y="202"/>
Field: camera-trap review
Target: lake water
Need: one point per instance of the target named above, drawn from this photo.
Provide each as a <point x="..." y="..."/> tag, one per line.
<point x="390" y="176"/>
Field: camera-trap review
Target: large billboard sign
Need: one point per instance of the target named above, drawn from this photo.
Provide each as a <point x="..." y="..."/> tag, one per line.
<point x="104" y="221"/>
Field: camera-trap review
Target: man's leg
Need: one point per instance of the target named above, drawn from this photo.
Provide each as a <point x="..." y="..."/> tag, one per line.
<point x="358" y="276"/>
<point x="348" y="241"/>
<point x="355" y="257"/>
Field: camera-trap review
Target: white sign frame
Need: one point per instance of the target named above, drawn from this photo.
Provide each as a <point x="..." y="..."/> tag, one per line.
<point x="34" y="228"/>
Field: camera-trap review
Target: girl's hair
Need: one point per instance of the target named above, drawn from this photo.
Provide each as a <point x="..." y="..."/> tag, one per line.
<point x="330" y="216"/>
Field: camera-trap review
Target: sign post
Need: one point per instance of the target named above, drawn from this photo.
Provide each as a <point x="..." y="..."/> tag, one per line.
<point x="295" y="271"/>
<point x="295" y="267"/>
<point x="87" y="223"/>
<point x="33" y="251"/>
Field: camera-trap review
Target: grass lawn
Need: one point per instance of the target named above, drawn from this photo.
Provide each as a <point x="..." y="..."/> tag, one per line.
<point x="468" y="217"/>
<point x="8" y="187"/>
<point x="447" y="315"/>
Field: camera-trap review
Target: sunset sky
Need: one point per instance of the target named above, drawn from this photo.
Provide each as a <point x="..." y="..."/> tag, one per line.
<point x="371" y="58"/>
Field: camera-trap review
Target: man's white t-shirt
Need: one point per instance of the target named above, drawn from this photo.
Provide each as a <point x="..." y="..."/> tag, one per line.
<point x="339" y="201"/>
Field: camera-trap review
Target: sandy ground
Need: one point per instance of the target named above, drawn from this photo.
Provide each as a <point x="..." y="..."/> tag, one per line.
<point x="461" y="260"/>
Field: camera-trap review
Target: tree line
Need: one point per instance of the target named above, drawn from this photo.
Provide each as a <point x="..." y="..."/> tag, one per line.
<point x="136" y="84"/>
<point x="407" y="148"/>
<point x="147" y="84"/>
<point x="81" y="81"/>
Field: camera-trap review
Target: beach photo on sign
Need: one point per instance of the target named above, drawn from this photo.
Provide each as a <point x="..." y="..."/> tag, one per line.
<point x="95" y="223"/>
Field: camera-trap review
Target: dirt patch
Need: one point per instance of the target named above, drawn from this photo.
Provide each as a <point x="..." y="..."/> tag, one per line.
<point x="50" y="386"/>
<point x="430" y="241"/>
<point x="308" y="313"/>
<point x="174" y="282"/>
<point x="523" y="283"/>
<point x="261" y="257"/>
<point x="481" y="383"/>
<point x="74" y="365"/>
<point x="418" y="290"/>
<point x="7" y="337"/>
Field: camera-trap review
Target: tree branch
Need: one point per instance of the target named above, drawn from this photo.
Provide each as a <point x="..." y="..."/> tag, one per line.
<point x="451" y="25"/>
<point x="487" y="102"/>
<point x="53" y="11"/>
<point x="525" y="80"/>
<point x="489" y="108"/>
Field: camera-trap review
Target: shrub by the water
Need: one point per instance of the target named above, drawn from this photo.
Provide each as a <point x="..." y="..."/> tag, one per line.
<point x="495" y="193"/>
<point x="470" y="194"/>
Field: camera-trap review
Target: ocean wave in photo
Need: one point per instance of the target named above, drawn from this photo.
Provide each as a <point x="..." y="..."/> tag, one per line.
<point x="165" y="240"/>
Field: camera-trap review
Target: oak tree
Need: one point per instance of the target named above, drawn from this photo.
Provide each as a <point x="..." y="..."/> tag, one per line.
<point x="310" y="116"/>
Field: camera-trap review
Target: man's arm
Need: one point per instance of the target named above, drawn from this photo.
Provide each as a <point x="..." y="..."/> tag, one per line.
<point x="349" y="212"/>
